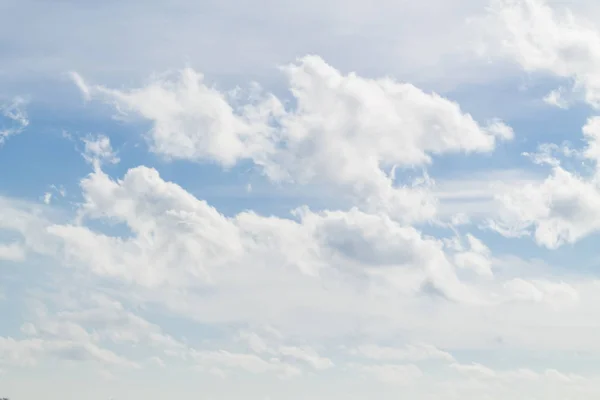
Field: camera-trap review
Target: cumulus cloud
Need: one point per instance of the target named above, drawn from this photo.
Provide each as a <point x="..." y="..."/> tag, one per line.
<point x="338" y="267"/>
<point x="545" y="39"/>
<point x="391" y="122"/>
<point x="563" y="208"/>
<point x="341" y="130"/>
<point x="172" y="227"/>
<point x="145" y="273"/>
<point x="192" y="120"/>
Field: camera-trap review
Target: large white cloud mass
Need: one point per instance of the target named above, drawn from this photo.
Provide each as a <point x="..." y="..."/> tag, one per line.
<point x="392" y="284"/>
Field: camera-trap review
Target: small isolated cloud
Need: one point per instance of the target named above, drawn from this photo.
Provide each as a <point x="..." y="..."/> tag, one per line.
<point x="556" y="98"/>
<point x="98" y="150"/>
<point x="13" y="119"/>
<point x="81" y="85"/>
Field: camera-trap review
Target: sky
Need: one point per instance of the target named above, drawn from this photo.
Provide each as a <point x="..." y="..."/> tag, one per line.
<point x="263" y="200"/>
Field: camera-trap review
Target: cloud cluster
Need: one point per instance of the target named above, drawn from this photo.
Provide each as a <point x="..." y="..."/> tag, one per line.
<point x="543" y="39"/>
<point x="375" y="284"/>
<point x="563" y="208"/>
<point x="340" y="130"/>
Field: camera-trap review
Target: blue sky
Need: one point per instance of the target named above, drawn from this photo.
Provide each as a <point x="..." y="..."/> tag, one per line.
<point x="320" y="199"/>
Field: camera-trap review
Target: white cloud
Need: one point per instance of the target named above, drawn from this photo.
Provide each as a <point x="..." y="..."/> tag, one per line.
<point x="366" y="273"/>
<point x="411" y="353"/>
<point x="66" y="336"/>
<point x="477" y="370"/>
<point x="98" y="150"/>
<point x="81" y="85"/>
<point x="77" y="332"/>
<point x="49" y="196"/>
<point x="402" y="375"/>
<point x="591" y="134"/>
<point x="157" y="361"/>
<point x="343" y="267"/>
<point x="29" y="222"/>
<point x="563" y="208"/>
<point x="543" y="39"/>
<point x="548" y="376"/>
<point x="476" y="257"/>
<point x="342" y="130"/>
<point x="556" y="98"/>
<point x="542" y="292"/>
<point x="171" y="226"/>
<point x="307" y="355"/>
<point x="386" y="122"/>
<point x="319" y="274"/>
<point x="14" y="119"/>
<point x="144" y="273"/>
<point x="194" y="121"/>
<point x="304" y="354"/>
<point x="12" y="252"/>
<point x="248" y="362"/>
<point x="20" y="352"/>
<point x="27" y="352"/>
<point x="255" y="342"/>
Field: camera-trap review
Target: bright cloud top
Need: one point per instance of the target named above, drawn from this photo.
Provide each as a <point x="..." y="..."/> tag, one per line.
<point x="345" y="131"/>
